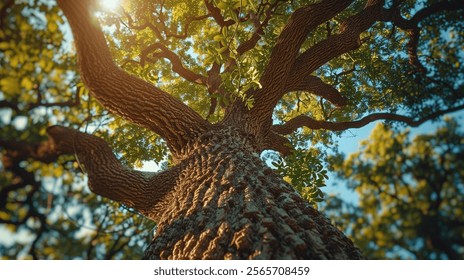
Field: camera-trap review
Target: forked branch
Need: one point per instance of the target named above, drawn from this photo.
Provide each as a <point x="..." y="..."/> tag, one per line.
<point x="288" y="45"/>
<point x="278" y="71"/>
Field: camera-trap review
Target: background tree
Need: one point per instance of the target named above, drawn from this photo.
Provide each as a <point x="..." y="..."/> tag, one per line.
<point x="265" y="68"/>
<point x="411" y="194"/>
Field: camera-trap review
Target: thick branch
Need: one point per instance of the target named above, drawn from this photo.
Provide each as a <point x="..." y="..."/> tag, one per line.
<point x="286" y="49"/>
<point x="124" y="94"/>
<point x="319" y="88"/>
<point x="305" y="121"/>
<point x="337" y="44"/>
<point x="142" y="191"/>
<point x="284" y="54"/>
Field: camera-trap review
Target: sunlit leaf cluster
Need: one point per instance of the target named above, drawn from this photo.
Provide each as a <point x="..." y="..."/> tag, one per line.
<point x="305" y="172"/>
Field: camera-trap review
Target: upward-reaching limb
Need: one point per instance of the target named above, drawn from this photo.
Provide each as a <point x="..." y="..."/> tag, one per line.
<point x="278" y="71"/>
<point x="285" y="53"/>
<point x="124" y="94"/>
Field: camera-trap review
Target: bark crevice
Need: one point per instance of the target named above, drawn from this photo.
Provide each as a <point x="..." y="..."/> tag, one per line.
<point x="229" y="205"/>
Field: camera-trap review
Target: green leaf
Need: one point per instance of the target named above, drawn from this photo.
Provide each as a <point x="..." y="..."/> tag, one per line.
<point x="26" y="83"/>
<point x="4" y="45"/>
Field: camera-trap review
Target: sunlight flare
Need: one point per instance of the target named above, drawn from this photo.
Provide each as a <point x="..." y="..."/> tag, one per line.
<point x="110" y="5"/>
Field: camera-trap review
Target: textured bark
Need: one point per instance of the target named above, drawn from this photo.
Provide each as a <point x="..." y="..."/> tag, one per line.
<point x="124" y="94"/>
<point x="229" y="205"/>
<point x="144" y="191"/>
<point x="219" y="202"/>
<point x="277" y="74"/>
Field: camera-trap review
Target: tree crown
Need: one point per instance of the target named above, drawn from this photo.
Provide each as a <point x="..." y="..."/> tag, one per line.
<point x="271" y="68"/>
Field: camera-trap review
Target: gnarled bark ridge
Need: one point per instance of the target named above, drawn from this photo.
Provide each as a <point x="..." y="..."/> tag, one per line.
<point x="228" y="205"/>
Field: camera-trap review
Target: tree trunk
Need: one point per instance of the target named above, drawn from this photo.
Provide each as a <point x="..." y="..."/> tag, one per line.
<point x="219" y="200"/>
<point x="228" y="205"/>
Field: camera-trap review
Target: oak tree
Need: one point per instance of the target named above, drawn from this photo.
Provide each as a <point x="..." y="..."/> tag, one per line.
<point x="218" y="83"/>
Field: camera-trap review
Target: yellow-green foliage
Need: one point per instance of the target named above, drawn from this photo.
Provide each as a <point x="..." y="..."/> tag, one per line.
<point x="410" y="193"/>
